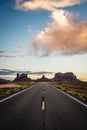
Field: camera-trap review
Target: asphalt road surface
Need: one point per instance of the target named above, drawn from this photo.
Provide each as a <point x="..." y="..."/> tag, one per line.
<point x="42" y="107"/>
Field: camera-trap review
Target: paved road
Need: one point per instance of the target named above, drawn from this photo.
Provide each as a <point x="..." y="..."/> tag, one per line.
<point x="24" y="111"/>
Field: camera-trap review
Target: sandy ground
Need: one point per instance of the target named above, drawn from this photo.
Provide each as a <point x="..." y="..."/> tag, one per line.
<point x="12" y="85"/>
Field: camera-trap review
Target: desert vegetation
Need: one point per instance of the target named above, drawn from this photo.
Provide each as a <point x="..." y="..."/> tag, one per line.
<point x="9" y="89"/>
<point x="76" y="89"/>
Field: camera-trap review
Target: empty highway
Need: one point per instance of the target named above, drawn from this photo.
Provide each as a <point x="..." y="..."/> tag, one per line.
<point x="42" y="107"/>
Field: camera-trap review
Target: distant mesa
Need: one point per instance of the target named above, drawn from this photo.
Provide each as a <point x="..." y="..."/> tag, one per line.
<point x="58" y="77"/>
<point x="22" y="77"/>
<point x="43" y="79"/>
<point x="68" y="76"/>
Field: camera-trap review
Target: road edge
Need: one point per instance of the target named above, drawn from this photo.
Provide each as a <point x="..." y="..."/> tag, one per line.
<point x="2" y="100"/>
<point x="69" y="96"/>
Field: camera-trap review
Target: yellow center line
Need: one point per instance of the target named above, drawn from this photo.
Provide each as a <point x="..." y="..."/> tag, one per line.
<point x="43" y="105"/>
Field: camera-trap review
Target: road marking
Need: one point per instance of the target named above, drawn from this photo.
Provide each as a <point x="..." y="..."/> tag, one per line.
<point x="43" y="105"/>
<point x="16" y="94"/>
<point x="70" y="96"/>
<point x="43" y="101"/>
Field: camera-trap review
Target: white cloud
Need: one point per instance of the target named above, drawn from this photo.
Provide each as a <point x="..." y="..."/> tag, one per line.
<point x="2" y="51"/>
<point x="66" y="35"/>
<point x="45" y="4"/>
<point x="17" y="57"/>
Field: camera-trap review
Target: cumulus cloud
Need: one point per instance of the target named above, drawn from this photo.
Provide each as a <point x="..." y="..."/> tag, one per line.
<point x="45" y="4"/>
<point x="66" y="35"/>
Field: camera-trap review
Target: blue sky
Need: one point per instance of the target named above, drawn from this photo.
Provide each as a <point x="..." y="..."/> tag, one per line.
<point x="49" y="36"/>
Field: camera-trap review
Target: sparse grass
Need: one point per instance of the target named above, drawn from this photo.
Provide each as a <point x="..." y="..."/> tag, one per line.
<point x="78" y="90"/>
<point x="4" y="92"/>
